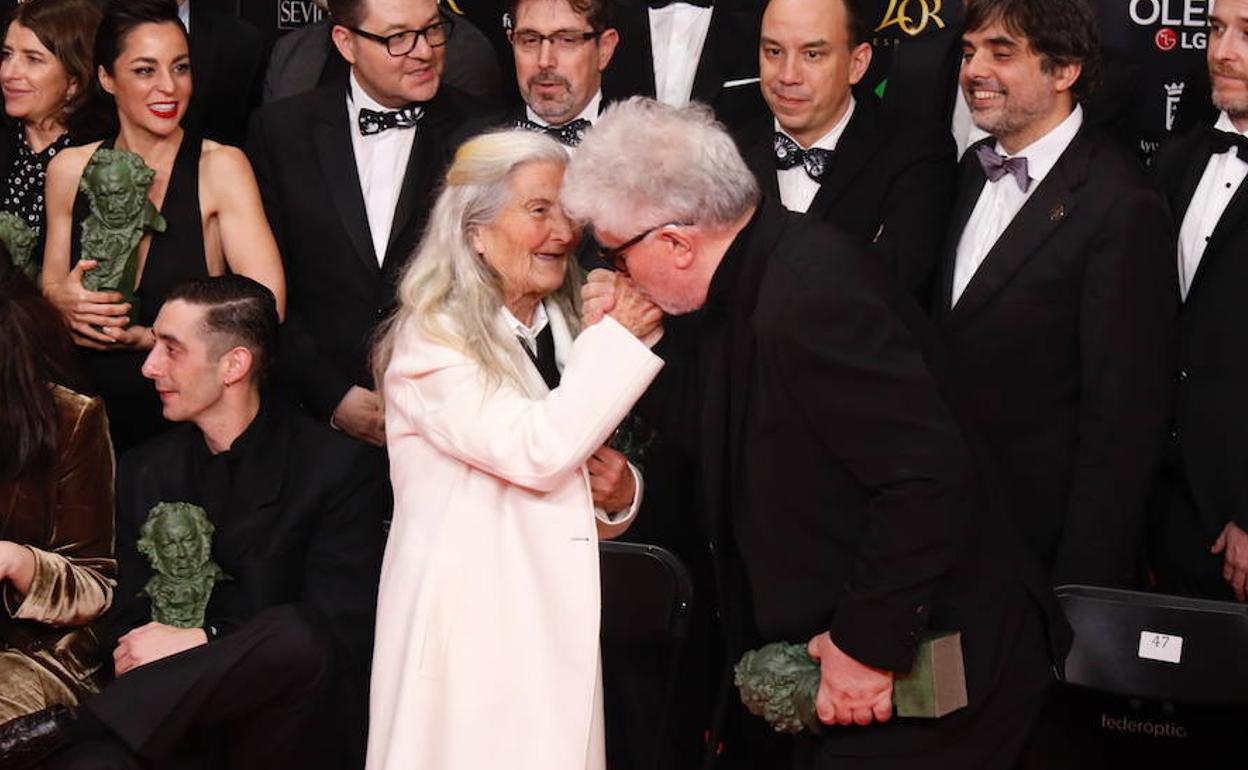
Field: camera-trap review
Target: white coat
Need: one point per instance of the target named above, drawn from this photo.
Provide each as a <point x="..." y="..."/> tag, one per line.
<point x="486" y="651"/>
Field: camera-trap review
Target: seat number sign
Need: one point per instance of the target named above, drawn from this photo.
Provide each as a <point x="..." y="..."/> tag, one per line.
<point x="1164" y="647"/>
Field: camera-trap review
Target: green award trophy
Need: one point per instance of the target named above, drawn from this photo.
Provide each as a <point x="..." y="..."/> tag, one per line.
<point x="779" y="681"/>
<point x="19" y="238"/>
<point x="116" y="184"/>
<point x="177" y="540"/>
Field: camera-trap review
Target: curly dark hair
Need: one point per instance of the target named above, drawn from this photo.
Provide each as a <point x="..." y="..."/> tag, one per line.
<point x="1063" y="32"/>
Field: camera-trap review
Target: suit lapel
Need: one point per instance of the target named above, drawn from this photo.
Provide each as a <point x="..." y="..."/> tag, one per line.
<point x="1198" y="155"/>
<point x="631" y="71"/>
<point x="970" y="185"/>
<point x="1042" y="214"/>
<point x="715" y="61"/>
<point x="1229" y="224"/>
<point x="856" y="148"/>
<point x="332" y="137"/>
<point x="421" y="167"/>
<point x="758" y="150"/>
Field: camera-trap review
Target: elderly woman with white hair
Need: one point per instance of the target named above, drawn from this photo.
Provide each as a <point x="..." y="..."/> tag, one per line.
<point x="487" y="620"/>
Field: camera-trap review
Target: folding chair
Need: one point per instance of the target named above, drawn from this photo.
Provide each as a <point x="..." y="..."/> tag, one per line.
<point x="647" y="595"/>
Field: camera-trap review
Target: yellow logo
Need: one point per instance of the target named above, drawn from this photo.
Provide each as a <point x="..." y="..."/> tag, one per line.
<point x="898" y="15"/>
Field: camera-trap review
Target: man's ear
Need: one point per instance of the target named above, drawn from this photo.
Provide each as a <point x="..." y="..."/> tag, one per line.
<point x="236" y="365"/>
<point x="607" y="42"/>
<point x="1066" y="75"/>
<point x="859" y="61"/>
<point x="680" y="245"/>
<point x="344" y="41"/>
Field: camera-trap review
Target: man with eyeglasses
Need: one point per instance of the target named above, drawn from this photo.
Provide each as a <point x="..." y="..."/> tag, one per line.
<point x="561" y="48"/>
<point x="347" y="175"/>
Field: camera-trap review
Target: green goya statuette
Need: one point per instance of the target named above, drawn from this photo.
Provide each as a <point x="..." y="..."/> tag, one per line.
<point x="779" y="682"/>
<point x="177" y="539"/>
<point x="19" y="239"/>
<point x="116" y="184"/>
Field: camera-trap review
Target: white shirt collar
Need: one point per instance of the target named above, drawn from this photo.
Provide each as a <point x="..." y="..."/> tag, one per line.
<point x="590" y="112"/>
<point x="1043" y="153"/>
<point x="1224" y="123"/>
<point x="829" y="140"/>
<point x="184" y="13"/>
<point x="528" y="333"/>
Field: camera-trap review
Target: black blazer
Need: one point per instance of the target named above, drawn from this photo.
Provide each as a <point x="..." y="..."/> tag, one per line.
<point x="226" y="54"/>
<point x="729" y="54"/>
<point x="1063" y="342"/>
<point x="831" y="462"/>
<point x="301" y="150"/>
<point x="1211" y="414"/>
<point x="890" y="186"/>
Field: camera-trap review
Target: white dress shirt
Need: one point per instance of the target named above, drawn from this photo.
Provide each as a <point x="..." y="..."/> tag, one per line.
<point x="677" y="34"/>
<point x="797" y="189"/>
<point x="1223" y="174"/>
<point x="381" y="160"/>
<point x="999" y="202"/>
<point x="528" y="335"/>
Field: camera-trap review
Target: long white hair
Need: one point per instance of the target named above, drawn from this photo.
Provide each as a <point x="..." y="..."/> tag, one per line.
<point x="449" y="291"/>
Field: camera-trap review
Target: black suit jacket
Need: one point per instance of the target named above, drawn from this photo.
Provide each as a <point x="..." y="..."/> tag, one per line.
<point x="1210" y="432"/>
<point x="889" y="186"/>
<point x="301" y="150"/>
<point x="1063" y="342"/>
<point x="302" y="525"/>
<point x="729" y="54"/>
<point x="226" y="54"/>
<point x="831" y="461"/>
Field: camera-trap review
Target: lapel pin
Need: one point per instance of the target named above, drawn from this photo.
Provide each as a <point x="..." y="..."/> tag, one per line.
<point x="1057" y="213"/>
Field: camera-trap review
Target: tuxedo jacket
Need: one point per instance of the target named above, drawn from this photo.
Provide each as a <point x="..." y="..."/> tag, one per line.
<point x="834" y="469"/>
<point x="891" y="187"/>
<point x="1063" y="342"/>
<point x="1210" y="433"/>
<point x="729" y="56"/>
<point x="226" y="59"/>
<point x="301" y="150"/>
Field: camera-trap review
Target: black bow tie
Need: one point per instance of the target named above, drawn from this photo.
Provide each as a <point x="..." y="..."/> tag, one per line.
<point x="569" y="134"/>
<point x="996" y="165"/>
<point x="374" y="122"/>
<point x="1222" y="141"/>
<point x="789" y="153"/>
<point x="664" y="3"/>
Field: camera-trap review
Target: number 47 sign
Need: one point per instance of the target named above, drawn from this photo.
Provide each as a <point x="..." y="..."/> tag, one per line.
<point x="1164" y="647"/>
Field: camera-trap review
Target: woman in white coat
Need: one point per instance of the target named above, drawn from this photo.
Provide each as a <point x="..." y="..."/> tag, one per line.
<point x="486" y="652"/>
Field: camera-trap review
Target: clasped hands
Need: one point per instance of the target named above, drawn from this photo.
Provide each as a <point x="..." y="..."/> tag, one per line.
<point x="849" y="692"/>
<point x="97" y="319"/>
<point x="610" y="293"/>
<point x="151" y="642"/>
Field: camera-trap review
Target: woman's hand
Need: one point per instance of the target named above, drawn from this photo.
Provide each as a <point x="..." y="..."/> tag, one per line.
<point x="85" y="310"/>
<point x="17" y="565"/>
<point x="133" y="337"/>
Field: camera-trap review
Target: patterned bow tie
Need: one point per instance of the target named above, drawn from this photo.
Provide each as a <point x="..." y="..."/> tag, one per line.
<point x="789" y="153"/>
<point x="1222" y="141"/>
<point x="569" y="134"/>
<point x="374" y="122"/>
<point x="996" y="165"/>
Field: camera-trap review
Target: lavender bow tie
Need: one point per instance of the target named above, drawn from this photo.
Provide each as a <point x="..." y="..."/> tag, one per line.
<point x="996" y="165"/>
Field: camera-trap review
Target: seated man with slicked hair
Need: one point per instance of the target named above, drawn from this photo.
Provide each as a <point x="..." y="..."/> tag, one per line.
<point x="246" y="675"/>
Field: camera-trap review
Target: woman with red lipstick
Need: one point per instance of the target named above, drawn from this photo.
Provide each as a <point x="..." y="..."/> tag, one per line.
<point x="46" y="74"/>
<point x="206" y="192"/>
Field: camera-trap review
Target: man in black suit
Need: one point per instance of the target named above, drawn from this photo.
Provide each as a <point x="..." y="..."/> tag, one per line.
<point x="824" y="153"/>
<point x="831" y="466"/>
<point x="226" y="54"/>
<point x="1057" y="295"/>
<point x="277" y="674"/>
<point x="1200" y="530"/>
<point x="683" y="50"/>
<point x="348" y="175"/>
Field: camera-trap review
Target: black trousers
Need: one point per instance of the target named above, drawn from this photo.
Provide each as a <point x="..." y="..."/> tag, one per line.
<point x="250" y="700"/>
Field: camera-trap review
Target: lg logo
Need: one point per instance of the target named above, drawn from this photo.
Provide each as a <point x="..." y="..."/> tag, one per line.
<point x="1166" y="39"/>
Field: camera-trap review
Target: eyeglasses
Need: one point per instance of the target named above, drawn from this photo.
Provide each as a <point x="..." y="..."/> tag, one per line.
<point x="566" y="40"/>
<point x="615" y="258"/>
<point x="402" y="43"/>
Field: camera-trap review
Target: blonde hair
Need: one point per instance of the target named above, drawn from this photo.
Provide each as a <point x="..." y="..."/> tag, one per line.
<point x="450" y="292"/>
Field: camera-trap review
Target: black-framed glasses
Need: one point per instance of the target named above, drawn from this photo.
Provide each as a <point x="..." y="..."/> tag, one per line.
<point x="402" y="43"/>
<point x="567" y="40"/>
<point x="614" y="257"/>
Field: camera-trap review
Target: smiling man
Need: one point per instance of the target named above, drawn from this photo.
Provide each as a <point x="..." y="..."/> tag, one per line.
<point x="824" y="153"/>
<point x="347" y="174"/>
<point x="1200" y="539"/>
<point x="1058" y="295"/>
<point x="297" y="513"/>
